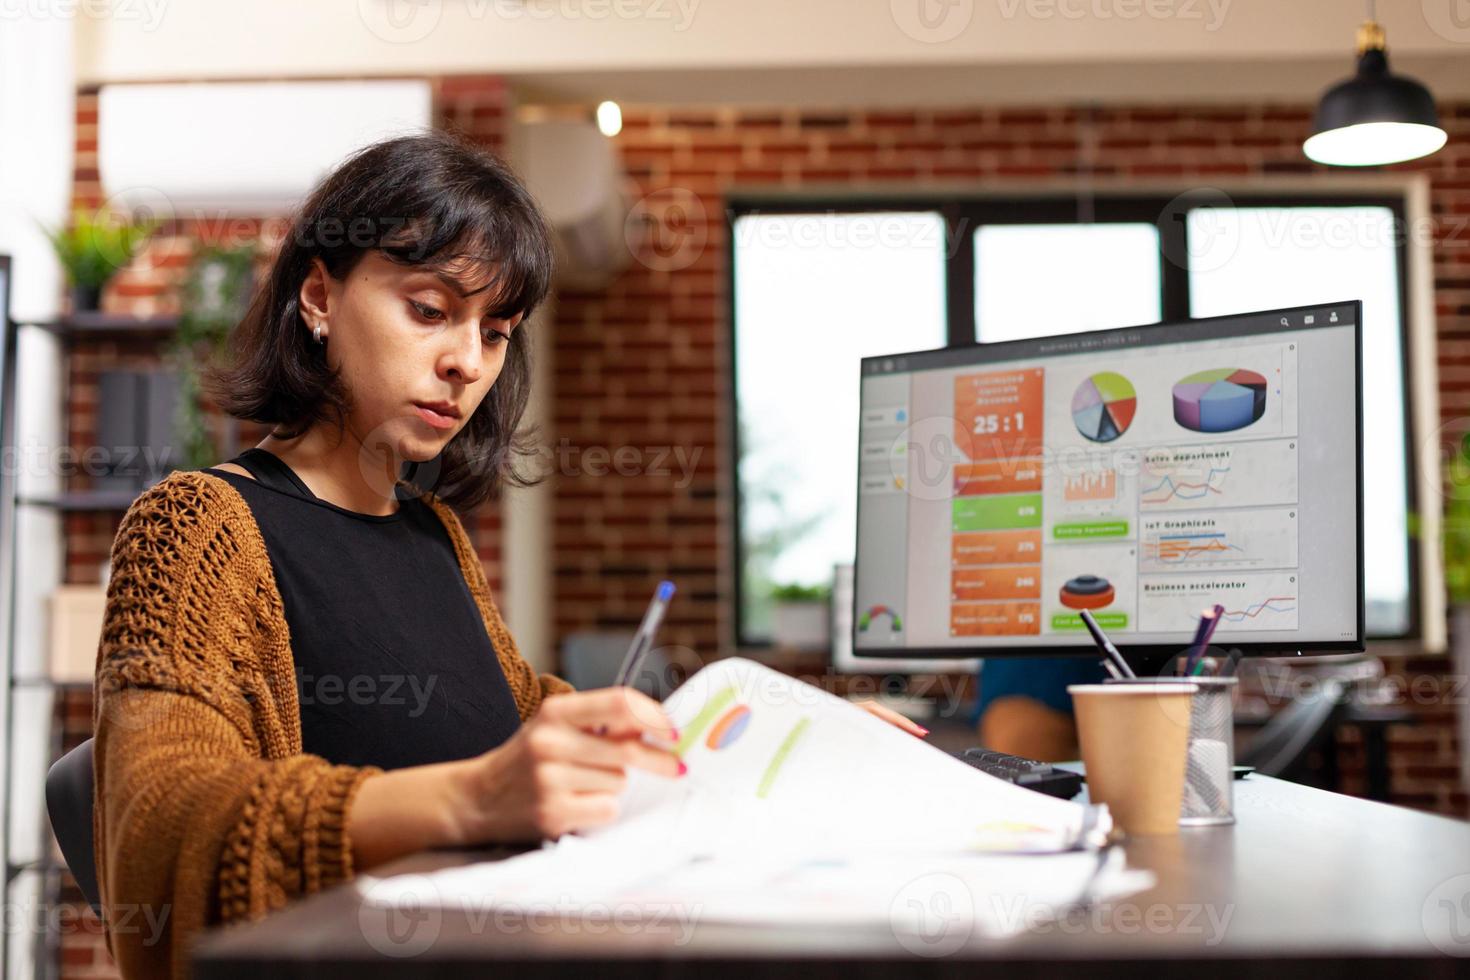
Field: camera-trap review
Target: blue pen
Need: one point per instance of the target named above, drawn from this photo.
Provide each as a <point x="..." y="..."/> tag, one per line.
<point x="643" y="639"/>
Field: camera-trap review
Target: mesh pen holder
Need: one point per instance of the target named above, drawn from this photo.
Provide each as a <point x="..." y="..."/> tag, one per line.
<point x="1209" y="772"/>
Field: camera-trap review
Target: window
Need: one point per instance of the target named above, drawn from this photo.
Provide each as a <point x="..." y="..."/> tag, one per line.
<point x="1260" y="258"/>
<point x="1034" y="280"/>
<point x="815" y="293"/>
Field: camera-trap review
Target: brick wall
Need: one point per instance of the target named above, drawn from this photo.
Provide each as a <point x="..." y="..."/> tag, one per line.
<point x="641" y="366"/>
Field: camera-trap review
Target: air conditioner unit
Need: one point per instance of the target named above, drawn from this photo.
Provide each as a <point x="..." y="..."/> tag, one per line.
<point x="575" y="175"/>
<point x="241" y="148"/>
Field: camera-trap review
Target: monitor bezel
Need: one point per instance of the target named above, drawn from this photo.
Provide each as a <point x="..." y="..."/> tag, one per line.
<point x="1200" y="328"/>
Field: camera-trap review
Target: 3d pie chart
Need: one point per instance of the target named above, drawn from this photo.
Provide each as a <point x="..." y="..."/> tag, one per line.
<point x="1087" y="592"/>
<point x="1103" y="406"/>
<point x="1219" y="400"/>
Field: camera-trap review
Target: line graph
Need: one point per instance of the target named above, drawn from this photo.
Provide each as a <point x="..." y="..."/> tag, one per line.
<point x="1178" y="548"/>
<point x="1214" y="540"/>
<point x="1168" y="488"/>
<point x="1254" y="601"/>
<point x="1239" y="474"/>
<point x="1275" y="604"/>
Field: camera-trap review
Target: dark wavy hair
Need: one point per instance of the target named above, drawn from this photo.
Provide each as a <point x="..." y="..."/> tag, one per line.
<point x="431" y="200"/>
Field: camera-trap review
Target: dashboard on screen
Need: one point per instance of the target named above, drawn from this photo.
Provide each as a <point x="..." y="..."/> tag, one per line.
<point x="1142" y="474"/>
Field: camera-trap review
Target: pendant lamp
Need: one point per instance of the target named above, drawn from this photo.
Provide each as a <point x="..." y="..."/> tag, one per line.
<point x="1375" y="117"/>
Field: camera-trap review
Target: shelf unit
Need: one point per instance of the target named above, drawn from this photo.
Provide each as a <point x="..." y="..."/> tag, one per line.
<point x="85" y="500"/>
<point x="69" y="329"/>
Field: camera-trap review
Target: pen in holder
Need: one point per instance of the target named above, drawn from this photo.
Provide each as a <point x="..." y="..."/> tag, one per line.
<point x="1209" y="772"/>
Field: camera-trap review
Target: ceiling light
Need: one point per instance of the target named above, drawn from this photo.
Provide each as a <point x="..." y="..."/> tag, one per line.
<point x="609" y="119"/>
<point x="1375" y="117"/>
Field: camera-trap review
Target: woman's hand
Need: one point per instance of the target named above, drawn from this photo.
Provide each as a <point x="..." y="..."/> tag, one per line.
<point x="892" y="717"/>
<point x="563" y="770"/>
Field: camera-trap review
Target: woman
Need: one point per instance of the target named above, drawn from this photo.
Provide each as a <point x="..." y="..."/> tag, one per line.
<point x="1024" y="708"/>
<point x="302" y="673"/>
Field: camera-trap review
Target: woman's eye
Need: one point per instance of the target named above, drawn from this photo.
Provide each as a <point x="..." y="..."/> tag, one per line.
<point x="493" y="338"/>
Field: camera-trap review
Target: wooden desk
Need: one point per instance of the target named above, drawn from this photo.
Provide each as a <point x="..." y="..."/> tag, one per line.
<point x="1307" y="883"/>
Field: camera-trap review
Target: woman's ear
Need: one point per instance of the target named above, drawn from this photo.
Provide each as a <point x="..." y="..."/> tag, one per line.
<point x="316" y="293"/>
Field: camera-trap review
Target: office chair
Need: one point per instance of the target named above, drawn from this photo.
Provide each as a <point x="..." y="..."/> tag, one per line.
<point x="69" y="805"/>
<point x="590" y="659"/>
<point x="1284" y="747"/>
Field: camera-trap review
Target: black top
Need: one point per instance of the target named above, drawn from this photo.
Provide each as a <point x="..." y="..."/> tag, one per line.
<point x="394" y="666"/>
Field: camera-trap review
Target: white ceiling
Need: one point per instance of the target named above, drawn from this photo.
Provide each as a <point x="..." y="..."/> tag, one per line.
<point x="804" y="52"/>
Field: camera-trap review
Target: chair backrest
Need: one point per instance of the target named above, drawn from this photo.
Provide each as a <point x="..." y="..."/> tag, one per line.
<point x="1283" y="746"/>
<point x="69" y="805"/>
<point x="591" y="659"/>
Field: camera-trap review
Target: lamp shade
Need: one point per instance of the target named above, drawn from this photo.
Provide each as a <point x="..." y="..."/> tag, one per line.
<point x="1375" y="117"/>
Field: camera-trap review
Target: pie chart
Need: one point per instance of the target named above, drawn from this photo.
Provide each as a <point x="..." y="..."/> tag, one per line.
<point x="1219" y="400"/>
<point x="1103" y="406"/>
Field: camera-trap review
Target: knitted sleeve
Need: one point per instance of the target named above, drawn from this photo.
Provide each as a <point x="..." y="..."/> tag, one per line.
<point x="206" y="810"/>
<point x="529" y="687"/>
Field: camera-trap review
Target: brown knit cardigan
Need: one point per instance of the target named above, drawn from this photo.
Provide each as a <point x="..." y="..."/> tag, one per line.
<point x="207" y="810"/>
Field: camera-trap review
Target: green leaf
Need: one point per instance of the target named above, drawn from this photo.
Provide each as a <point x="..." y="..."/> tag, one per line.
<point x="97" y="244"/>
<point x="215" y="291"/>
<point x="795" y="592"/>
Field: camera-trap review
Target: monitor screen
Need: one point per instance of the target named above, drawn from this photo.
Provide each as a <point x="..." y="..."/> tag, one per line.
<point x="1143" y="474"/>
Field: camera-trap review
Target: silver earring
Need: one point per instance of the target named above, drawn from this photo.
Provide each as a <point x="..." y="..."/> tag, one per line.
<point x="316" y="334"/>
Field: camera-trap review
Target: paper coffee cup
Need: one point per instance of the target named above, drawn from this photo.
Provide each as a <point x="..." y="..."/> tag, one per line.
<point x="1135" y="743"/>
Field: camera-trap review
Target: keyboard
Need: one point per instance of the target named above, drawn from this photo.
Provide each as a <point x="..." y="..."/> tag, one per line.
<point x="1040" y="776"/>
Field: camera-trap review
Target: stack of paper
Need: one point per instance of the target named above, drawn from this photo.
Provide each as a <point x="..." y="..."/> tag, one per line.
<point x="799" y="807"/>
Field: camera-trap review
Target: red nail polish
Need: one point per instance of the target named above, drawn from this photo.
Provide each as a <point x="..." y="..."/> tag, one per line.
<point x="683" y="768"/>
<point x="923" y="729"/>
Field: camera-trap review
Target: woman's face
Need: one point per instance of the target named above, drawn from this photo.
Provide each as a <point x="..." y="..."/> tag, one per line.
<point x="417" y="356"/>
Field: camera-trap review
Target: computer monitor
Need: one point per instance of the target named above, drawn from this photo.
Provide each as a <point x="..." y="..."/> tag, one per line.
<point x="1143" y="474"/>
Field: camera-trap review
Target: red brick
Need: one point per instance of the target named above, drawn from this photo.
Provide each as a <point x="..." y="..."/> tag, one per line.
<point x="456" y="86"/>
<point x="783" y="149"/>
<point x="824" y="121"/>
<point x="962" y="118"/>
<point x="1023" y="117"/>
<point x="891" y="120"/>
<point x="1023" y="170"/>
<point x="759" y="121"/>
<point x="692" y="119"/>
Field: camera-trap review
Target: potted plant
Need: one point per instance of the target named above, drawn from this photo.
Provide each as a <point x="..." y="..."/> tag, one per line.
<point x="771" y="530"/>
<point x="93" y="248"/>
<point x="800" y="616"/>
<point x="214" y="295"/>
